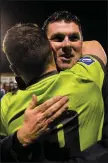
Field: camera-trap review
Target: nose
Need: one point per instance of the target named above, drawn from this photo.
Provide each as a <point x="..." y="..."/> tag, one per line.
<point x="66" y="42"/>
<point x="67" y="46"/>
<point x="67" y="50"/>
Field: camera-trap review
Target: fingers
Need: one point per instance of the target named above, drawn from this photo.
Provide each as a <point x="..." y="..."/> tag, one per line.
<point x="37" y="120"/>
<point x="57" y="114"/>
<point x="41" y="131"/>
<point x="33" y="102"/>
<point x="57" y="106"/>
<point x="46" y="105"/>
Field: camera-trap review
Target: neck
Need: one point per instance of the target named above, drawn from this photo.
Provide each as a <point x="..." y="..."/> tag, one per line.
<point x="27" y="79"/>
<point x="49" y="69"/>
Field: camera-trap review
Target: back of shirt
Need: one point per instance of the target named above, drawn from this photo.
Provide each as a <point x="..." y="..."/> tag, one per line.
<point x="81" y="125"/>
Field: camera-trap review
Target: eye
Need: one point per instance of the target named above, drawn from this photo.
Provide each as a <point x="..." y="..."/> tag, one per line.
<point x="58" y="38"/>
<point x="74" y="37"/>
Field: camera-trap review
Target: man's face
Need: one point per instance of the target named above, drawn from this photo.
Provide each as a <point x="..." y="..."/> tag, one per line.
<point x="66" y="41"/>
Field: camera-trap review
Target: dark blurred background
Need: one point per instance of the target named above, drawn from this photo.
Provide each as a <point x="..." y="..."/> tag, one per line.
<point x="93" y="16"/>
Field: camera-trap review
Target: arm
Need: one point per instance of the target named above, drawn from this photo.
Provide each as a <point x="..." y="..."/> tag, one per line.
<point x="12" y="150"/>
<point x="16" y="147"/>
<point x="95" y="153"/>
<point x="104" y="141"/>
<point x="99" y="150"/>
<point x="94" y="48"/>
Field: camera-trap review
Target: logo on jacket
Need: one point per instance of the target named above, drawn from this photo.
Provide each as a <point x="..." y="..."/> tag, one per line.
<point x="87" y="60"/>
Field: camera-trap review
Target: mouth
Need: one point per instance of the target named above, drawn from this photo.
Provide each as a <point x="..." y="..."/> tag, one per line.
<point x="67" y="55"/>
<point x="67" y="58"/>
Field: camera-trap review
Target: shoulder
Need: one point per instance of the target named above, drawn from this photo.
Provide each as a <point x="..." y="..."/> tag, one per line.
<point x="5" y="102"/>
<point x="6" y="99"/>
<point x="95" y="48"/>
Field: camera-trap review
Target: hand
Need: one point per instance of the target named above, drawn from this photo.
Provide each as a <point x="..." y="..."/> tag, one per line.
<point x="37" y="119"/>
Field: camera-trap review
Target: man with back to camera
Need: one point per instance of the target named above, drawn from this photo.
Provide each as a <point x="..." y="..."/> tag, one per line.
<point x="24" y="66"/>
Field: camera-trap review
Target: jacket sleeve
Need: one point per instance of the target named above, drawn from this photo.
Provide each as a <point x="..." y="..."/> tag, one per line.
<point x="99" y="151"/>
<point x="11" y="150"/>
<point x="105" y="97"/>
<point x="90" y="68"/>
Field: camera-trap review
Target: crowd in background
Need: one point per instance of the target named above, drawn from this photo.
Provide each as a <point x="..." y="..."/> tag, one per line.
<point x="7" y="87"/>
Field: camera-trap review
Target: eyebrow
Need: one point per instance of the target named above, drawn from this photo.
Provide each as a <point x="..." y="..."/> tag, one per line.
<point x="60" y="34"/>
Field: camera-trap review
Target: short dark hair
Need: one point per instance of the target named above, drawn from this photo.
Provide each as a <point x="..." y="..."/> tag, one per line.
<point x="59" y="16"/>
<point x="27" y="47"/>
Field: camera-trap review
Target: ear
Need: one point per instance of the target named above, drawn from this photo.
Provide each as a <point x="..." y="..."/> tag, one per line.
<point x="15" y="70"/>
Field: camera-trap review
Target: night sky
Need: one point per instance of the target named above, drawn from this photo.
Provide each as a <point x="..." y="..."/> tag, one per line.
<point x="93" y="16"/>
